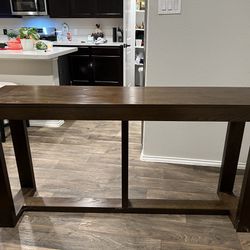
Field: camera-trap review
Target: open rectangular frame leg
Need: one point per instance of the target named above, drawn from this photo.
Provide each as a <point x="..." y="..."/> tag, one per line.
<point x="227" y="204"/>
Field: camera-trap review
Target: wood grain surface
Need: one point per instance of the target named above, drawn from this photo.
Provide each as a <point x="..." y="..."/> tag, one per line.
<point x="83" y="159"/>
<point x="116" y="103"/>
<point x="68" y="95"/>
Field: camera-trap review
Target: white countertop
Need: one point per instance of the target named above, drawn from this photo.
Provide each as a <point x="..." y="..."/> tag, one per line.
<point x="36" y="54"/>
<point x="79" y="43"/>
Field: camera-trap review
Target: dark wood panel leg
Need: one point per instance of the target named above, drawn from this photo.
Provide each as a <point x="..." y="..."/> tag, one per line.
<point x="7" y="209"/>
<point x="23" y="154"/>
<point x="2" y="131"/>
<point x="27" y="123"/>
<point x="125" y="159"/>
<point x="242" y="222"/>
<point x="231" y="155"/>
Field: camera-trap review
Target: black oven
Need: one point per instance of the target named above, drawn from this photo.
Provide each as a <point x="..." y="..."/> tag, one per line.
<point x="28" y="7"/>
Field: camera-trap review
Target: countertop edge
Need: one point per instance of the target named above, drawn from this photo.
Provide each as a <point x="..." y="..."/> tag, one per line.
<point x="79" y="44"/>
<point x="38" y="56"/>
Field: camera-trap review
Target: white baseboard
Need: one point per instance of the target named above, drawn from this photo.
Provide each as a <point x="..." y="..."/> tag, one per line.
<point x="46" y="123"/>
<point x="184" y="161"/>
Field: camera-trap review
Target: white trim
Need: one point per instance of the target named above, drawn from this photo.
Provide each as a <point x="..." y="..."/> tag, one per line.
<point x="46" y="123"/>
<point x="184" y="161"/>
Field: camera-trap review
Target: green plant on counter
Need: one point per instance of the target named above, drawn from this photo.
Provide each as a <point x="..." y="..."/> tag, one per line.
<point x="28" y="33"/>
<point x="41" y="45"/>
<point x="12" y="34"/>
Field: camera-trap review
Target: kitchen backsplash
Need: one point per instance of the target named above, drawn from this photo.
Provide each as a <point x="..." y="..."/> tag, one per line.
<point x="79" y="27"/>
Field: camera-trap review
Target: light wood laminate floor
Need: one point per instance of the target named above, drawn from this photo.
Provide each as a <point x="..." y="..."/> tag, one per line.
<point x="83" y="158"/>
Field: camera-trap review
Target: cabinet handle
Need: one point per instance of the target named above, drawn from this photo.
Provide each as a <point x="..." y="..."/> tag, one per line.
<point x="36" y="5"/>
<point x="126" y="45"/>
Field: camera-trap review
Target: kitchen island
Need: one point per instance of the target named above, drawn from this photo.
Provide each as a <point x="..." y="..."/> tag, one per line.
<point x="33" y="68"/>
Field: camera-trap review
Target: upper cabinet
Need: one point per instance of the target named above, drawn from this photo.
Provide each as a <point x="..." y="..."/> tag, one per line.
<point x="82" y="8"/>
<point x="85" y="8"/>
<point x="5" y="10"/>
<point x="58" y="8"/>
<point x="109" y="8"/>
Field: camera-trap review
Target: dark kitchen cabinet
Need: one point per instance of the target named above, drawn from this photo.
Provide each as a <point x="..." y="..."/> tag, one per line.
<point x="81" y="66"/>
<point x="106" y="70"/>
<point x="81" y="69"/>
<point x="107" y="64"/>
<point x="5" y="10"/>
<point x="64" y="70"/>
<point x="82" y="8"/>
<point x="85" y="8"/>
<point x="59" y="8"/>
<point x="109" y="8"/>
<point x="102" y="66"/>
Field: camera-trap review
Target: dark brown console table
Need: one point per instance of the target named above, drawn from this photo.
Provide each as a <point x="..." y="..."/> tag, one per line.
<point x="20" y="103"/>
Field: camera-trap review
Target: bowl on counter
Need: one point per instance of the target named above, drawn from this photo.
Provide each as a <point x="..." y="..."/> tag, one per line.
<point x="14" y="44"/>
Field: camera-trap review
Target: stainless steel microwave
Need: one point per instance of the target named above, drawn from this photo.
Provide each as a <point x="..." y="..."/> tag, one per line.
<point x="29" y="7"/>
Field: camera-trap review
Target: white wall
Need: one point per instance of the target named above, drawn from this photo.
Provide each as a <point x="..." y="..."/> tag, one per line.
<point x="80" y="27"/>
<point x="207" y="45"/>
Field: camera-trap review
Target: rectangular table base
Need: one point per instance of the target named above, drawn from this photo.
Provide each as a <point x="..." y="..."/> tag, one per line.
<point x="20" y="103"/>
<point x="91" y="205"/>
<point x="225" y="205"/>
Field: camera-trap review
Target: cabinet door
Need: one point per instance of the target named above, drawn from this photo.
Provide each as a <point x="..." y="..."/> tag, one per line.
<point x="81" y="69"/>
<point x="109" y="8"/>
<point x="82" y="8"/>
<point x="5" y="8"/>
<point x="58" y="8"/>
<point x="107" y="70"/>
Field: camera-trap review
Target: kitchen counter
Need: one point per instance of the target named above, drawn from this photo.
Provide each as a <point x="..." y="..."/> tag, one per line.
<point x="36" y="54"/>
<point x="79" y="43"/>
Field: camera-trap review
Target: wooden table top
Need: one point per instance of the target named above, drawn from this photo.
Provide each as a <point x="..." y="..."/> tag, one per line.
<point x="151" y="103"/>
<point x="72" y="95"/>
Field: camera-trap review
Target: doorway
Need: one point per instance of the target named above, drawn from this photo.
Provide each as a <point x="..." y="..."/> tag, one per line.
<point x="134" y="23"/>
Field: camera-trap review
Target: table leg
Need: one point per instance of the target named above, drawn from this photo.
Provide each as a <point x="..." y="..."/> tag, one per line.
<point x="242" y="222"/>
<point x="2" y="131"/>
<point x="27" y="123"/>
<point x="125" y="162"/>
<point x="231" y="154"/>
<point x="23" y="155"/>
<point x="7" y="208"/>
